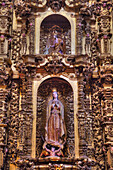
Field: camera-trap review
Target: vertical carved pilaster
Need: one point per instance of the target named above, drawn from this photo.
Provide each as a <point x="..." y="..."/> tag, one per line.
<point x="13" y="129"/>
<point x="104" y="23"/>
<point x="107" y="123"/>
<point x="102" y="108"/>
<point x="16" y="45"/>
<point x="5" y="54"/>
<point x="22" y="120"/>
<point x="24" y="31"/>
<point x="81" y="119"/>
<point x="32" y="36"/>
<point x="87" y="72"/>
<point x="79" y="33"/>
<point x="89" y="131"/>
<point x="87" y="39"/>
<point x="28" y="117"/>
<point x="3" y="126"/>
<point x="5" y="25"/>
<point x="98" y="130"/>
<point x="95" y="45"/>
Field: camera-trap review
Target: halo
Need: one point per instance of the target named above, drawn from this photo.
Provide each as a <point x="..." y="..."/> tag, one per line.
<point x="54" y="90"/>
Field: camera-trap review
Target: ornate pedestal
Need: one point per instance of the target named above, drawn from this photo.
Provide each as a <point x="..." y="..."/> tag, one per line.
<point x="55" y="163"/>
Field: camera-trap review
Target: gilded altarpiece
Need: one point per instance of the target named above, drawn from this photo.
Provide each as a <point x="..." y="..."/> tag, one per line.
<point x="64" y="46"/>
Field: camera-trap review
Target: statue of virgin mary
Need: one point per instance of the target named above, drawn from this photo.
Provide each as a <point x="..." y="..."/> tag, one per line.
<point x="55" y="127"/>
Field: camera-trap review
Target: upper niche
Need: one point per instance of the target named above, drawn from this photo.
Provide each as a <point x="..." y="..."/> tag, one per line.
<point x="59" y="21"/>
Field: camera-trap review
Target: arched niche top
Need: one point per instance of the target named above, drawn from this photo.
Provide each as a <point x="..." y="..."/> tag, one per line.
<point x="57" y="83"/>
<point x="56" y="19"/>
<point x="53" y="80"/>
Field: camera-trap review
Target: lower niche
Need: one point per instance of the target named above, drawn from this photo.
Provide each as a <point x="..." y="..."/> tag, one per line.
<point x="65" y="95"/>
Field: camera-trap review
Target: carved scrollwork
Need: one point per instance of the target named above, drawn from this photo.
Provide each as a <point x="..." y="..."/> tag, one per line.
<point x="22" y="8"/>
<point x="55" y="64"/>
<point x="55" y="166"/>
<point x="70" y="3"/>
<point x="39" y="3"/>
<point x="104" y="8"/>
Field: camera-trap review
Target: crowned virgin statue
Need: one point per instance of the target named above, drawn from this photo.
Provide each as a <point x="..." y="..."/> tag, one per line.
<point x="55" y="131"/>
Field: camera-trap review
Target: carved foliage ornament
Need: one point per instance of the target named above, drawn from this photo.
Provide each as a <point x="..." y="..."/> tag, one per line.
<point x="5" y="8"/>
<point x="55" y="167"/>
<point x="70" y="3"/>
<point x="39" y="3"/>
<point x="22" y="8"/>
<point x="104" y="8"/>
